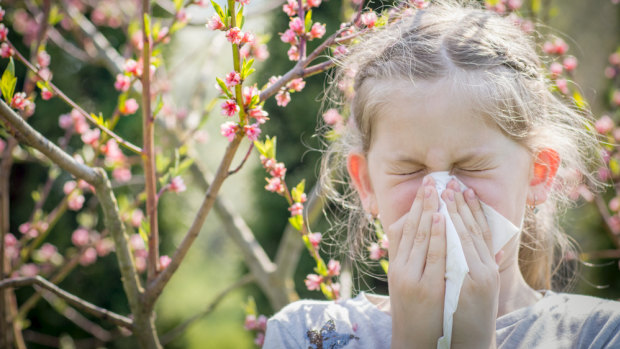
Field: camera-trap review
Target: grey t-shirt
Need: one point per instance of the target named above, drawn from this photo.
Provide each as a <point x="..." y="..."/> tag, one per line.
<point x="558" y="320"/>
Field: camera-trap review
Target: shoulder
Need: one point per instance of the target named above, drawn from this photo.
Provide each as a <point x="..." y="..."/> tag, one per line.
<point x="564" y="318"/>
<point x="316" y="324"/>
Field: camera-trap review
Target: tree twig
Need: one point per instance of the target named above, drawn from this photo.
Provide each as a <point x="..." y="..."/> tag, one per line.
<point x="88" y="307"/>
<point x="245" y="158"/>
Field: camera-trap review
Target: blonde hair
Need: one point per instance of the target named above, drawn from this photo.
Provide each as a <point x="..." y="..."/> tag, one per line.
<point x="497" y="62"/>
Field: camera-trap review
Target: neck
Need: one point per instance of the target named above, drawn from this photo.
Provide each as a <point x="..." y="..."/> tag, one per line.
<point x="514" y="292"/>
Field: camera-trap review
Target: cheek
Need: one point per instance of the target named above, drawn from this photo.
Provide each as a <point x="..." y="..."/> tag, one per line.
<point x="501" y="196"/>
<point x="397" y="200"/>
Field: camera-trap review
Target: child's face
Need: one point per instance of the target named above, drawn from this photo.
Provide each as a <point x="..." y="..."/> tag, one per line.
<point x="430" y="129"/>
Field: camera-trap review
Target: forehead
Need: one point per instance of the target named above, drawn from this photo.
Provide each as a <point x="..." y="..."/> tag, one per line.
<point x="416" y="119"/>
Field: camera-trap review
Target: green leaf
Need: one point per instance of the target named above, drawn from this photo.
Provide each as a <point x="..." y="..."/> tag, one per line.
<point x="159" y="105"/>
<point x="385" y="265"/>
<point x="321" y="268"/>
<point x="147" y="25"/>
<point x="145" y="231"/>
<point x="219" y="11"/>
<point x="580" y="102"/>
<point x="307" y="242"/>
<point x="177" y="26"/>
<point x="535" y="6"/>
<point x="250" y="307"/>
<point x="178" y="4"/>
<point x="183" y="166"/>
<point x="239" y="18"/>
<point x="298" y="191"/>
<point x="326" y="291"/>
<point x="223" y="87"/>
<point x="260" y="146"/>
<point x="55" y="16"/>
<point x="271" y="150"/>
<point x="308" y="21"/>
<point x="8" y="81"/>
<point x="614" y="166"/>
<point x="297" y="222"/>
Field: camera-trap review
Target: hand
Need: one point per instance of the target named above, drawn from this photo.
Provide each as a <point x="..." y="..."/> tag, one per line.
<point x="476" y="313"/>
<point x="416" y="274"/>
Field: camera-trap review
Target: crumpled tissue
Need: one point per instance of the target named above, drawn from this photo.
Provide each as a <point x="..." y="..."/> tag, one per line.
<point x="456" y="266"/>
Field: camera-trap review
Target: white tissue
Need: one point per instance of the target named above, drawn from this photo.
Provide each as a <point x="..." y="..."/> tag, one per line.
<point x="456" y="266"/>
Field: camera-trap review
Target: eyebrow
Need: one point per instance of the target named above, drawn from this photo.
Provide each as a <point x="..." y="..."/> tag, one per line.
<point x="469" y="156"/>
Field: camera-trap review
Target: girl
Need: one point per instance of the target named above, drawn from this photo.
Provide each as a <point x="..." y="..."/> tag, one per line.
<point x="457" y="89"/>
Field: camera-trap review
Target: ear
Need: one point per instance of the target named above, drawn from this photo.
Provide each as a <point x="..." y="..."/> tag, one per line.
<point x="545" y="168"/>
<point x="357" y="165"/>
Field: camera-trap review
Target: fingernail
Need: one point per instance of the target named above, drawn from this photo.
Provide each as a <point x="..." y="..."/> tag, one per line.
<point x="453" y="184"/>
<point x="470" y="194"/>
<point x="450" y="195"/>
<point x="436" y="217"/>
<point x="427" y="192"/>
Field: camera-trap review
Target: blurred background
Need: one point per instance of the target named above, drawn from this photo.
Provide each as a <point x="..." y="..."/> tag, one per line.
<point x="193" y="59"/>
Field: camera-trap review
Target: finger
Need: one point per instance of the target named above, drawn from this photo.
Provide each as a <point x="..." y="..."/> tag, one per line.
<point x="435" y="263"/>
<point x="467" y="241"/>
<point x="472" y="227"/>
<point x="418" y="253"/>
<point x="410" y="224"/>
<point x="476" y="210"/>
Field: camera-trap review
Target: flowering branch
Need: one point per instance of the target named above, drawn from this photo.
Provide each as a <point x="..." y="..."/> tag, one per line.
<point x="90" y="308"/>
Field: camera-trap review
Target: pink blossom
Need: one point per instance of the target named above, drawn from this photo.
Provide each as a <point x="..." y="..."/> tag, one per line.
<point x="556" y="69"/>
<point x="313" y="282"/>
<point x="570" y="63"/>
<point x="234" y="35"/>
<point x="376" y="252"/>
<point x="122" y="82"/>
<point x="91" y="137"/>
<point x="20" y="101"/>
<point x="215" y="23"/>
<point x="140" y="264"/>
<point x="314" y="3"/>
<point x="562" y="85"/>
<point x="121" y="174"/>
<point x="340" y="50"/>
<point x="164" y="262"/>
<point x="29" y="270"/>
<point x="317" y="31"/>
<point x="303" y="198"/>
<point x="201" y="136"/>
<point x="260" y="339"/>
<point x="233" y="78"/>
<point x="229" y="130"/>
<point x="132" y="67"/>
<point x="248" y="38"/>
<point x="4" y="31"/>
<point x="2" y="145"/>
<point x="614" y="224"/>
<point x="259" y="114"/>
<point x="616" y="97"/>
<point x="420" y="4"/>
<point x="515" y="4"/>
<point x="385" y="243"/>
<point x="604" y="124"/>
<point x="10" y="240"/>
<point x="289" y="36"/>
<point x="104" y="247"/>
<point x="47" y="251"/>
<point x="46" y="94"/>
<point x="616" y="133"/>
<point x="65" y="121"/>
<point x="182" y="15"/>
<point x="1" y="13"/>
<point x="614" y="58"/>
<point x="177" y="185"/>
<point x="28" y="230"/>
<point x="44" y="59"/>
<point x="136" y="217"/>
<point x="369" y="19"/>
<point x="250" y="322"/>
<point x="333" y="268"/>
<point x="69" y="186"/>
<point x="290" y="8"/>
<point x="293" y="53"/>
<point x="136" y="242"/>
<point x="248" y="93"/>
<point x="252" y="131"/>
<point x="75" y="201"/>
<point x="261" y="323"/>
<point x="335" y="288"/>
<point x="296" y="84"/>
<point x="610" y="72"/>
<point x="296" y="209"/>
<point x="88" y="257"/>
<point x="614" y="204"/>
<point x="80" y="237"/>
<point x="297" y="25"/>
<point x="274" y="185"/>
<point x="229" y="107"/>
<point x="113" y="152"/>
<point x="315" y="239"/>
<point x="278" y="170"/>
<point x="201" y="3"/>
<point x="604" y="173"/>
<point x="283" y="98"/>
<point x="332" y="117"/>
<point x="129" y="107"/>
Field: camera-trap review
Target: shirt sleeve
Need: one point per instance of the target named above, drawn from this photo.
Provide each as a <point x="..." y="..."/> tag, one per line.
<point x="278" y="336"/>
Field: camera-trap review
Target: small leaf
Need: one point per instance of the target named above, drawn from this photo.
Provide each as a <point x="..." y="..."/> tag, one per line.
<point x="183" y="166"/>
<point x="307" y="242"/>
<point x="147" y="25"/>
<point x="239" y="18"/>
<point x="260" y="146"/>
<point x="223" y="86"/>
<point x="321" y="268"/>
<point x="250" y="307"/>
<point x="326" y="291"/>
<point x="614" y="166"/>
<point x="145" y="230"/>
<point x="308" y="21"/>
<point x="297" y="222"/>
<point x="535" y="6"/>
<point x="385" y="265"/>
<point x="580" y="102"/>
<point x="158" y="105"/>
<point x="298" y="191"/>
<point x="8" y="81"/>
<point x="55" y="16"/>
<point x="178" y="4"/>
<point x="218" y="10"/>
